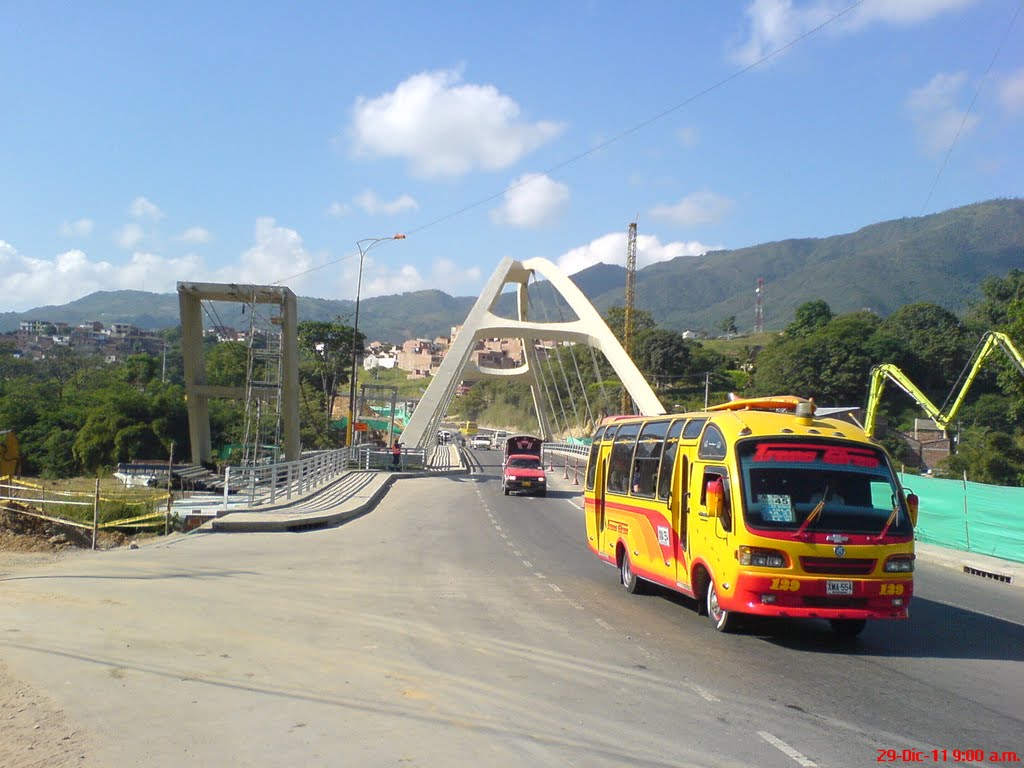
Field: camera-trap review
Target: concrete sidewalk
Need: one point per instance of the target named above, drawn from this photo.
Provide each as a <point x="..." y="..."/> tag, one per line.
<point x="353" y="494"/>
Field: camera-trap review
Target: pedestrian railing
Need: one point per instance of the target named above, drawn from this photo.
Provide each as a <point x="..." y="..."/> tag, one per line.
<point x="264" y="484"/>
<point x="383" y="458"/>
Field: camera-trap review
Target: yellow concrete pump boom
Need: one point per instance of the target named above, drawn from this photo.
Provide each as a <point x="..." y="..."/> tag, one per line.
<point x="880" y="374"/>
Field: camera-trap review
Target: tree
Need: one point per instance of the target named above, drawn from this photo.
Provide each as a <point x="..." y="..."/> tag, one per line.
<point x="830" y="364"/>
<point x="227" y="364"/>
<point x="929" y="344"/>
<point x="615" y="317"/>
<point x="327" y="348"/>
<point x="662" y="354"/>
<point x="728" y="325"/>
<point x="809" y="317"/>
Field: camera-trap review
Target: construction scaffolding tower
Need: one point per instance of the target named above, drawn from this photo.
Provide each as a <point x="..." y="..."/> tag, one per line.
<point x="627" y="319"/>
<point x="263" y="390"/>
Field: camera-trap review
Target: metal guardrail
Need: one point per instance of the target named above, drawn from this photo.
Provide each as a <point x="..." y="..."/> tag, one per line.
<point x="267" y="484"/>
<point x="382" y="458"/>
<point x="570" y="448"/>
<point x="264" y="484"/>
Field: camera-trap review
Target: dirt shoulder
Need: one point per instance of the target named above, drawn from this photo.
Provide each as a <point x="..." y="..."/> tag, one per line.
<point x="34" y="731"/>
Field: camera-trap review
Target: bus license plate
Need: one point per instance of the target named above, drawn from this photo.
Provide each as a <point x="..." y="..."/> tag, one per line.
<point x="838" y="587"/>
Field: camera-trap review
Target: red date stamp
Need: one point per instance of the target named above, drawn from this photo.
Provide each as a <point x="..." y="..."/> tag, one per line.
<point x="947" y="756"/>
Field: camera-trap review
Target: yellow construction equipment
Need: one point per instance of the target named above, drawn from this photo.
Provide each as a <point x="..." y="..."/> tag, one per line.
<point x="880" y="374"/>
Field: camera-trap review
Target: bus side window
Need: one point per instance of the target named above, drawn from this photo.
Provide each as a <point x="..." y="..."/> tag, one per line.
<point x="621" y="458"/>
<point x="595" y="453"/>
<point x="648" y="454"/>
<point x="668" y="459"/>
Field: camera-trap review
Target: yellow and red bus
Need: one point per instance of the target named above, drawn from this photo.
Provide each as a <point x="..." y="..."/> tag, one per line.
<point x="754" y="507"/>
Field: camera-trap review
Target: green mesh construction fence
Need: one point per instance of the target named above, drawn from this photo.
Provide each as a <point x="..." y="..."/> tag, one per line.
<point x="972" y="517"/>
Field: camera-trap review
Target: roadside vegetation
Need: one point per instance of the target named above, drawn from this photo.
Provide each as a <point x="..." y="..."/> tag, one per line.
<point x="76" y="415"/>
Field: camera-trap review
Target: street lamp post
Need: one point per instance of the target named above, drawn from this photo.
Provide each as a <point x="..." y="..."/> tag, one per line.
<point x="363" y="245"/>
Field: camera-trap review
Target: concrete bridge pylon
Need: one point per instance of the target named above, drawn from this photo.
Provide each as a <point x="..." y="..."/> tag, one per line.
<point x="482" y="323"/>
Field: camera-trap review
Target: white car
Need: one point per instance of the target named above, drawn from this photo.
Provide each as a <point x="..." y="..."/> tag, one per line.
<point x="483" y="442"/>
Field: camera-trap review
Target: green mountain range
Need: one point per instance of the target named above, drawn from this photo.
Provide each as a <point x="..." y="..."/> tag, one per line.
<point x="941" y="258"/>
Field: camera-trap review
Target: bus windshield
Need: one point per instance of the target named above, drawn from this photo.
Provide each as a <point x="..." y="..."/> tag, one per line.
<point x="784" y="481"/>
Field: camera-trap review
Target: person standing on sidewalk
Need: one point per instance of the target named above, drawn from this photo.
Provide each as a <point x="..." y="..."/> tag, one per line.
<point x="396" y="455"/>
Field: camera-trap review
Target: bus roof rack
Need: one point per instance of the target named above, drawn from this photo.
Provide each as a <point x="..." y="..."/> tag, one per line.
<point x="774" y="403"/>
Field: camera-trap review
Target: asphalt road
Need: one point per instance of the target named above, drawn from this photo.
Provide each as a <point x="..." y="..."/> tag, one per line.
<point x="454" y="626"/>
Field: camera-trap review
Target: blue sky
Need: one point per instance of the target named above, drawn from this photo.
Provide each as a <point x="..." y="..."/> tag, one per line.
<point x="146" y="143"/>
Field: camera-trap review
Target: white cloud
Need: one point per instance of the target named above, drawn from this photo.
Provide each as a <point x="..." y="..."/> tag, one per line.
<point x="338" y="210"/>
<point x="1011" y="92"/>
<point x="611" y="249"/>
<point x="77" y="228"/>
<point x="277" y="255"/>
<point x="141" y="208"/>
<point x="384" y="277"/>
<point x="370" y="203"/>
<point x="692" y="210"/>
<point x="129" y="236"/>
<point x="70" y="275"/>
<point x="775" y="23"/>
<point x="444" y="127"/>
<point x="532" y="200"/>
<point x="195" y="235"/>
<point x="933" y="110"/>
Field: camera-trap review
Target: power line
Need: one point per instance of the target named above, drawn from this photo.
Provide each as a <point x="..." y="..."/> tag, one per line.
<point x="608" y="142"/>
<point x="977" y="92"/>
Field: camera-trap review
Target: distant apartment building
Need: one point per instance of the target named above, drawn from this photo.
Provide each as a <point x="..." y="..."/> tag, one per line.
<point x="420" y="358"/>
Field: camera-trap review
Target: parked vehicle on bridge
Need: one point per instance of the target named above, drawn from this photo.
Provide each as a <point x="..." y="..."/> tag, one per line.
<point x="754" y="507"/>
<point x="522" y="465"/>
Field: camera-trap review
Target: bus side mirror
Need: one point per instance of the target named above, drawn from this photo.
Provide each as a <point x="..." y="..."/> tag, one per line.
<point x="715" y="497"/>
<point x="913" y="505"/>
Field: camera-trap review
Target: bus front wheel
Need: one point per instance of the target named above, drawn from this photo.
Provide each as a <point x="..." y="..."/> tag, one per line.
<point x="723" y="620"/>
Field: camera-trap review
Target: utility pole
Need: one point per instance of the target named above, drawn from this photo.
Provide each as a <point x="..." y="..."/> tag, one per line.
<point x="707" y="388"/>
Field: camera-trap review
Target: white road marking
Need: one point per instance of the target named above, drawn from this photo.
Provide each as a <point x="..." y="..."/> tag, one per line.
<point x="540" y="575"/>
<point x="555" y="587"/>
<point x="527" y="563"/>
<point x="517" y="553"/>
<point x="705" y="694"/>
<point x="783" y="747"/>
<point x="603" y="624"/>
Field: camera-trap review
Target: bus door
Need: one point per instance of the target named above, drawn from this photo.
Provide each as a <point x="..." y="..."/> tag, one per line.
<point x="672" y="476"/>
<point x="710" y="534"/>
<point x="678" y="509"/>
<point x="594" y="484"/>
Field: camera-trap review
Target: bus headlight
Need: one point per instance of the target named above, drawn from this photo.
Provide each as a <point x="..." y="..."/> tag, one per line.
<point x="900" y="564"/>
<point x="762" y="558"/>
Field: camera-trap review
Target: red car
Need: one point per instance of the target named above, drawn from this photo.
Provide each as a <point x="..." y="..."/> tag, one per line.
<point x="524" y="474"/>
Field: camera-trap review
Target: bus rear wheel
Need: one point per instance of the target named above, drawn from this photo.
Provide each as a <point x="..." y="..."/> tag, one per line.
<point x="629" y="579"/>
<point x="847" y="628"/>
<point x="723" y="620"/>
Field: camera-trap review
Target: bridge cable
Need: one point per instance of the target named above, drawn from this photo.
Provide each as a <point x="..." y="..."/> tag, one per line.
<point x="579" y="375"/>
<point x="554" y="383"/>
<point x="561" y="365"/>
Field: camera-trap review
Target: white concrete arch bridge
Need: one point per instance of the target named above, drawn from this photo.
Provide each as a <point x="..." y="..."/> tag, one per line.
<point x="587" y="328"/>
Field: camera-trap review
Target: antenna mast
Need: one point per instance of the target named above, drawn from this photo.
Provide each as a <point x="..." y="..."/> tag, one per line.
<point x="759" y="306"/>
